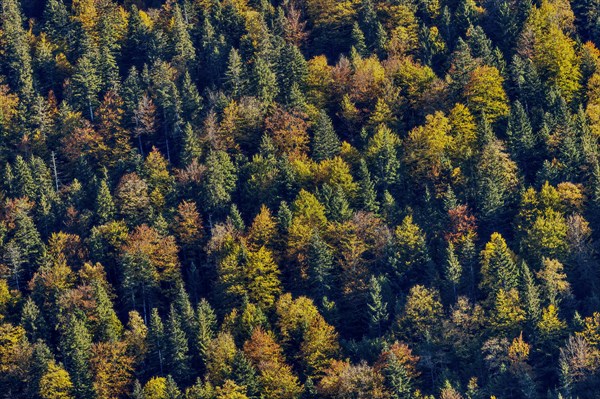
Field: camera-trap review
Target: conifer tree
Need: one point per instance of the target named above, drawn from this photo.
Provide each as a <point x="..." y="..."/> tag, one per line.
<point x="235" y="79"/>
<point x="367" y="191"/>
<point x="244" y="374"/>
<point x="264" y="81"/>
<point x="181" y="42"/>
<point x="207" y="326"/>
<point x="378" y="312"/>
<point x="236" y="218"/>
<point x="109" y="327"/>
<point x="498" y="267"/>
<point x="358" y="40"/>
<point x="397" y="379"/>
<point x="320" y="265"/>
<point x="105" y="206"/>
<point x="86" y="85"/>
<point x="76" y="345"/>
<point x="219" y="182"/>
<point x="521" y="139"/>
<point x="326" y="143"/>
<point x="453" y="269"/>
<point x="156" y="343"/>
<point x="17" y="53"/>
<point x="191" y="102"/>
<point x="176" y="348"/>
<point x="23" y="184"/>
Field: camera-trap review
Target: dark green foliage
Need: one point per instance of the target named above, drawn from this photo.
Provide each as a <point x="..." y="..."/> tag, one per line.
<point x="325" y="143"/>
<point x="299" y="200"/>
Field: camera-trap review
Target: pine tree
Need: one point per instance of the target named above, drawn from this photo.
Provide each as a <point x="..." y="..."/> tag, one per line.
<point x="207" y="327"/>
<point x="320" y="265"/>
<point x="156" y="343"/>
<point x="76" y="344"/>
<point x="219" y="182"/>
<point x="191" y="101"/>
<point x="176" y="348"/>
<point x="17" y="53"/>
<point x="235" y="79"/>
<point x="105" y="206"/>
<point x="244" y="374"/>
<point x="498" y="267"/>
<point x="326" y="143"/>
<point x="86" y="85"/>
<point x="181" y="43"/>
<point x="453" y="269"/>
<point x="23" y="184"/>
<point x="367" y="191"/>
<point x="264" y="81"/>
<point x="378" y="312"/>
<point x="521" y="139"/>
<point x="236" y="218"/>
<point x="397" y="379"/>
<point x="358" y="40"/>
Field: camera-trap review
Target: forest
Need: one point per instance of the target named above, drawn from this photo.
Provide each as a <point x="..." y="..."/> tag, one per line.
<point x="299" y="199"/>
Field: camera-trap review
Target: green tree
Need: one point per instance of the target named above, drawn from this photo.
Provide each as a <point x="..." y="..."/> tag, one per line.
<point x="105" y="206"/>
<point x="76" y="344"/>
<point x="157" y="343"/>
<point x="378" y="313"/>
<point x="320" y="265"/>
<point x="17" y="59"/>
<point x="499" y="269"/>
<point x="326" y="143"/>
<point x="397" y="379"/>
<point x="176" y="348"/>
<point x="367" y="192"/>
<point x="219" y="182"/>
<point x="86" y="85"/>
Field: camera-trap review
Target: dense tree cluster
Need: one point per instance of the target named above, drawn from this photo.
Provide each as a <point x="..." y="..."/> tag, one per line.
<point x="299" y="199"/>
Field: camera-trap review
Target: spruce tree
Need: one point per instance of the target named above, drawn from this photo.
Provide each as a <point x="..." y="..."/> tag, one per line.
<point x="397" y="379"/>
<point x="191" y="101"/>
<point x="367" y="192"/>
<point x="235" y="76"/>
<point x="378" y="312"/>
<point x="191" y="149"/>
<point x="498" y="267"/>
<point x="17" y="53"/>
<point x="244" y="374"/>
<point x="453" y="269"/>
<point x="86" y="85"/>
<point x="76" y="344"/>
<point x="530" y="293"/>
<point x="207" y="327"/>
<point x="320" y="265"/>
<point x="264" y="81"/>
<point x="326" y="143"/>
<point x="156" y="343"/>
<point x="176" y="348"/>
<point x="358" y="40"/>
<point x="105" y="206"/>
<point x="23" y="184"/>
<point x="521" y="139"/>
<point x="109" y="327"/>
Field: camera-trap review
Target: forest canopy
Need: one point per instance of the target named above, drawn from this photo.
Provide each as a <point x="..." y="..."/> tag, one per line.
<point x="299" y="199"/>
